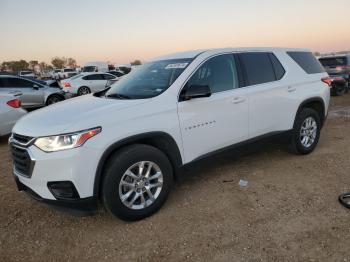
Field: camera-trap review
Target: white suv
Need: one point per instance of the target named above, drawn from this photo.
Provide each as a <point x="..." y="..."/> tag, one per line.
<point x="124" y="146"/>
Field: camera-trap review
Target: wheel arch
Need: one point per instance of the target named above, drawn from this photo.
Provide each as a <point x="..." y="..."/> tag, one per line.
<point x="54" y="94"/>
<point x="160" y="140"/>
<point x="315" y="103"/>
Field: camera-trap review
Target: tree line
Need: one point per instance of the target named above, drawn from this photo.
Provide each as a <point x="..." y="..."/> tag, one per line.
<point x="56" y="62"/>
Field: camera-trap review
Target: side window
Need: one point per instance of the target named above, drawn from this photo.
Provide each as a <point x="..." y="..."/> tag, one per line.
<point x="108" y="77"/>
<point x="279" y="70"/>
<point x="307" y="61"/>
<point x="94" y="77"/>
<point x="2" y="82"/>
<point x="258" y="67"/>
<point x="219" y="73"/>
<point x="20" y="83"/>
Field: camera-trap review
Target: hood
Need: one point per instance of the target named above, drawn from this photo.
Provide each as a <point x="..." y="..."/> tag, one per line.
<point x="81" y="112"/>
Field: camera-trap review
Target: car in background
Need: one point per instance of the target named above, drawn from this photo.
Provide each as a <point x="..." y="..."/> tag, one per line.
<point x="54" y="73"/>
<point x="35" y="93"/>
<point x="86" y="83"/>
<point x="28" y="74"/>
<point x="117" y="73"/>
<point x="96" y="66"/>
<point x="338" y="86"/>
<point x="66" y="73"/>
<point x="125" y="68"/>
<point x="337" y="65"/>
<point x="10" y="112"/>
<point x="45" y="74"/>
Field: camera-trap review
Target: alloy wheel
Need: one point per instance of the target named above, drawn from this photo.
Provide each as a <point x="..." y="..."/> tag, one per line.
<point x="141" y="185"/>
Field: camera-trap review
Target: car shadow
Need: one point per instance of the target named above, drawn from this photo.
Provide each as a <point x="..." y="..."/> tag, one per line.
<point x="203" y="167"/>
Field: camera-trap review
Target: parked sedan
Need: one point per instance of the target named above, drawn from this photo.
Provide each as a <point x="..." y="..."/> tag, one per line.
<point x="86" y="83"/>
<point x="10" y="112"/>
<point x="34" y="93"/>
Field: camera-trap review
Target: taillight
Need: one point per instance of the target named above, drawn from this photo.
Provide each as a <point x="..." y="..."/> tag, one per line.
<point x="327" y="80"/>
<point x="67" y="84"/>
<point x="15" y="103"/>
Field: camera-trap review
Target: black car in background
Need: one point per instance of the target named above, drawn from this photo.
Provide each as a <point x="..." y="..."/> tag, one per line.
<point x="337" y="65"/>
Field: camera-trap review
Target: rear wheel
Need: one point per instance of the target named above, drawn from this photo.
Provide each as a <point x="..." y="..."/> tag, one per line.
<point x="53" y="99"/>
<point x="84" y="90"/>
<point x="306" y="131"/>
<point x="137" y="182"/>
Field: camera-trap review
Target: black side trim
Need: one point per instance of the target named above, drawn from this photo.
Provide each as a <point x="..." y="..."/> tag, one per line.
<point x="280" y="134"/>
<point x="161" y="140"/>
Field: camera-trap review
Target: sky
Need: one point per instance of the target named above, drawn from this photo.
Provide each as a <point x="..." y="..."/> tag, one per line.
<point x="122" y="31"/>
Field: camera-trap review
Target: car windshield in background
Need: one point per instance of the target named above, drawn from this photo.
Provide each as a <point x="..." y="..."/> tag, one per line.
<point x="57" y="70"/>
<point x="148" y="80"/>
<point x="333" y="61"/>
<point x="69" y="70"/>
<point x="89" y="68"/>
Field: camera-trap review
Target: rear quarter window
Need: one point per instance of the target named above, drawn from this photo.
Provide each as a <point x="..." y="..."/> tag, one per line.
<point x="307" y="61"/>
<point x="258" y="67"/>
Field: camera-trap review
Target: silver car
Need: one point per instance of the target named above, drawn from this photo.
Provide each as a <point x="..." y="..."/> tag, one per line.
<point x="34" y="93"/>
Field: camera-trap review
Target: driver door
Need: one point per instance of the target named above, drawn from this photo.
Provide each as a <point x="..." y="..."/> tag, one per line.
<point x="211" y="123"/>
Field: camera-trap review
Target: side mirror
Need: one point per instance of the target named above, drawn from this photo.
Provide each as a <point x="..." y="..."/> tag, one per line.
<point x="195" y="91"/>
<point x="36" y="87"/>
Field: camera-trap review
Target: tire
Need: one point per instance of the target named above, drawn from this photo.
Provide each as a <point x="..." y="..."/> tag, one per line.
<point x="116" y="173"/>
<point x="84" y="90"/>
<point x="299" y="144"/>
<point x="53" y="99"/>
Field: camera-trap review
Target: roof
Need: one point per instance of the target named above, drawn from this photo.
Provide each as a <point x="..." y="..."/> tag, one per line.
<point x="194" y="53"/>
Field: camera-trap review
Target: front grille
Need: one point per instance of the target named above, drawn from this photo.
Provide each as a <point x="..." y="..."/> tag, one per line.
<point x="21" y="139"/>
<point x="22" y="162"/>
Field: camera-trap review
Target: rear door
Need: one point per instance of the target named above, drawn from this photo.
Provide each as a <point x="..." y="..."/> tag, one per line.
<point x="214" y="122"/>
<point x="270" y="98"/>
<point x="96" y="82"/>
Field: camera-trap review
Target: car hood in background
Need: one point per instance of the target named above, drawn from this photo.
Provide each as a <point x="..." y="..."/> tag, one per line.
<point x="61" y="117"/>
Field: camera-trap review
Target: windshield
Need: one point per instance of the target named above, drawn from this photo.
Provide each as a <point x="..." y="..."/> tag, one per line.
<point x="148" y="80"/>
<point x="333" y="61"/>
<point x="89" y="68"/>
<point x="26" y="72"/>
<point x="57" y="70"/>
<point x="68" y="70"/>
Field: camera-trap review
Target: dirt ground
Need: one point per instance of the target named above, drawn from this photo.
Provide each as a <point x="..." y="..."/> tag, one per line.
<point x="288" y="212"/>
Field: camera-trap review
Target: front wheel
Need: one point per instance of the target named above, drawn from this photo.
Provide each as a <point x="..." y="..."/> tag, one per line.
<point x="137" y="182"/>
<point x="306" y="131"/>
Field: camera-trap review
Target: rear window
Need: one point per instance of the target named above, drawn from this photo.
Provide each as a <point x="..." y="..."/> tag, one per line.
<point x="334" y="61"/>
<point x="307" y="61"/>
<point x="258" y="67"/>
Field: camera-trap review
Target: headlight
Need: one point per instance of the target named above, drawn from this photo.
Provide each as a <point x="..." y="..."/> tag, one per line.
<point x="66" y="141"/>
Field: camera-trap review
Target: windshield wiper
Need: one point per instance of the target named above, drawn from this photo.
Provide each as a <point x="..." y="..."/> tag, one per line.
<point x="119" y="96"/>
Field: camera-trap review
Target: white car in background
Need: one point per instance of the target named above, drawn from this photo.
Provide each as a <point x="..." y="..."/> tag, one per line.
<point x="10" y="112"/>
<point x="66" y="73"/>
<point x="28" y="74"/>
<point x="86" y="83"/>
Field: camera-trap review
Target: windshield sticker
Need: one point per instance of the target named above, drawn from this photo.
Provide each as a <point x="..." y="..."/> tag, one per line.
<point x="176" y="66"/>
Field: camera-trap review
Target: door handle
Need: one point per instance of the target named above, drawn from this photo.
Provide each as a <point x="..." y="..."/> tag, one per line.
<point x="291" y="89"/>
<point x="238" y="100"/>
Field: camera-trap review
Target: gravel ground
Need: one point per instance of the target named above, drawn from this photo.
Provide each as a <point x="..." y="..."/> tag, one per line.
<point x="288" y="212"/>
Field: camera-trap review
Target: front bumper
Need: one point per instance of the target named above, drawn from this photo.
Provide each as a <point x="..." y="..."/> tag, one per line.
<point x="86" y="205"/>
